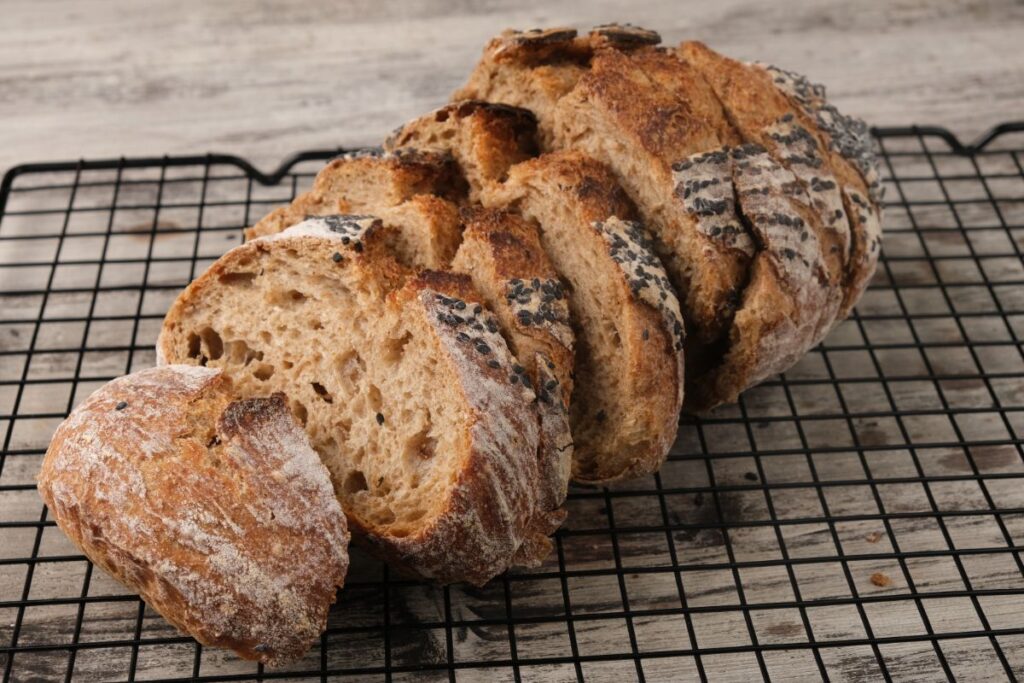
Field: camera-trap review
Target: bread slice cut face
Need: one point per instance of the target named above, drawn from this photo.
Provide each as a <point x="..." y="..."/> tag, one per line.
<point x="402" y="382"/>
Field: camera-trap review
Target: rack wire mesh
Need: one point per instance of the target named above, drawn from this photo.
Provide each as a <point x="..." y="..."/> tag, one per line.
<point x="858" y="518"/>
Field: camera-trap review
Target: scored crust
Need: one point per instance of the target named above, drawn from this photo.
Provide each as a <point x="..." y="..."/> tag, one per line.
<point x="217" y="512"/>
<point x="786" y="114"/>
<point x="403" y="387"/>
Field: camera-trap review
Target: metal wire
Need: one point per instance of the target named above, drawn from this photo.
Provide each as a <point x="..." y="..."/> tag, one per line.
<point x="860" y="516"/>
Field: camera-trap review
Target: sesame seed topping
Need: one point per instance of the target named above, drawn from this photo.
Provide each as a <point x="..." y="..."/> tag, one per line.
<point x="121" y="405"/>
<point x="336" y="257"/>
<point x="380" y="419"/>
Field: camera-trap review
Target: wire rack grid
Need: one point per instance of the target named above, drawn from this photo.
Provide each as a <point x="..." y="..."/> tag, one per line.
<point x="858" y="518"/>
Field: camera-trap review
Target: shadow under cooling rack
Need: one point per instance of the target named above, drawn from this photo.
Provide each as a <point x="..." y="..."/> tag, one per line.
<point x="860" y="517"/>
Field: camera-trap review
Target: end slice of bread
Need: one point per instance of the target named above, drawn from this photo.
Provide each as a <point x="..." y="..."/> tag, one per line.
<point x="215" y="510"/>
<point x="404" y="389"/>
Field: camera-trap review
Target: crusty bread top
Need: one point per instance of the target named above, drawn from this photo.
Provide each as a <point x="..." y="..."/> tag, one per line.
<point x="219" y="513"/>
<point x="484" y="138"/>
<point x="365" y="182"/>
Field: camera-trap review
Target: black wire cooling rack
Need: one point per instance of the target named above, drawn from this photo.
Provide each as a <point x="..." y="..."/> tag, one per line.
<point x="859" y="518"/>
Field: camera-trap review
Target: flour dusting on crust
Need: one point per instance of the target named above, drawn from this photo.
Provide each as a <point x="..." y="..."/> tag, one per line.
<point x="703" y="183"/>
<point x="799" y="151"/>
<point x="229" y="527"/>
<point x="848" y="135"/>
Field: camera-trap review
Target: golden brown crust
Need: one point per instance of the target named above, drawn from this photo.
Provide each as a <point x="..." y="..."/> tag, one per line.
<point x="217" y="512"/>
<point x="484" y="138"/>
<point x="366" y="182"/>
<point x="501" y="251"/>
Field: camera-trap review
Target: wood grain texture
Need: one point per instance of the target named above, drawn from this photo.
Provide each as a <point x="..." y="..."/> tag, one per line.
<point x="263" y="80"/>
<point x="102" y="78"/>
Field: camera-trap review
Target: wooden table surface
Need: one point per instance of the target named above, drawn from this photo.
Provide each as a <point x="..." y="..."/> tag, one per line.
<point x="263" y="80"/>
<point x="98" y="78"/>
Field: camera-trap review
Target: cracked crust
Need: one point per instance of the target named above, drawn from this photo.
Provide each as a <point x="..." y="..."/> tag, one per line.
<point x="217" y="512"/>
<point x="485" y="139"/>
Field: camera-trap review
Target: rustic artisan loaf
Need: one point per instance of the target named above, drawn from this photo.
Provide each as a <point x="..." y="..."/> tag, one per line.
<point x="691" y="157"/>
<point x="216" y="511"/>
<point x="501" y="252"/>
<point x="410" y="191"/>
<point x="404" y="389"/>
<point x="628" y="372"/>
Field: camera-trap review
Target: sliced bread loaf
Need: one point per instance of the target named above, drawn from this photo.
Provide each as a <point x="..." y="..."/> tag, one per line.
<point x="217" y="512"/>
<point x="404" y="389"/>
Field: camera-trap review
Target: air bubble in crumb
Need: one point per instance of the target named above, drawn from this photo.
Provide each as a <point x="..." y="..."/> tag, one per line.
<point x="881" y="580"/>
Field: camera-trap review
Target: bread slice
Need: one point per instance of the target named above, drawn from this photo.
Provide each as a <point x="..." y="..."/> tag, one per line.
<point x="830" y="153"/>
<point x="501" y="252"/>
<point x="404" y="389"/>
<point x="629" y="369"/>
<point x="485" y="139"/>
<point x="216" y="511"/>
<point x="410" y="191"/>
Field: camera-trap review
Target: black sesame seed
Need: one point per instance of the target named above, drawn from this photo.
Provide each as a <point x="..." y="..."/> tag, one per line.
<point x="121" y="405"/>
<point x="525" y="379"/>
<point x="513" y="378"/>
<point x="750" y="476"/>
<point x="359" y="247"/>
<point x="646" y="334"/>
<point x="600" y="417"/>
<point x="477" y="310"/>
<point x="518" y="369"/>
<point x="462" y="337"/>
<point x="336" y="257"/>
<point x="483" y="348"/>
<point x="380" y="419"/>
<point x="551" y="384"/>
<point x="493" y="364"/>
<point x="460" y="305"/>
